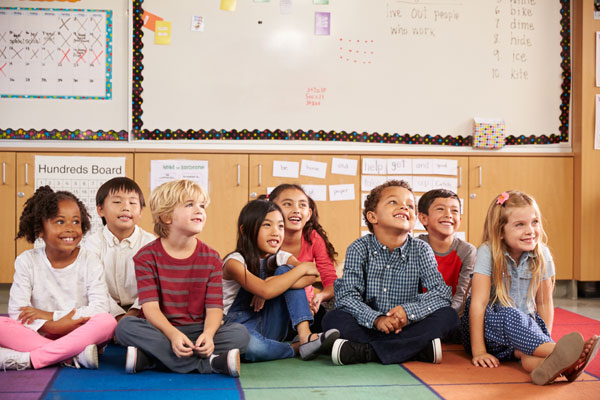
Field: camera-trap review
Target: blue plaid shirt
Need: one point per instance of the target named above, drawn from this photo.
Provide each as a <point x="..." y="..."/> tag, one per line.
<point x="376" y="281"/>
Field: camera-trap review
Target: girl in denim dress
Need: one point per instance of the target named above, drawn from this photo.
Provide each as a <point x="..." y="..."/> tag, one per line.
<point x="510" y="312"/>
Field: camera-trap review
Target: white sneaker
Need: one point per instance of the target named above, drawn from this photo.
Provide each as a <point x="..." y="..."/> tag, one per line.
<point x="88" y="358"/>
<point x="11" y="359"/>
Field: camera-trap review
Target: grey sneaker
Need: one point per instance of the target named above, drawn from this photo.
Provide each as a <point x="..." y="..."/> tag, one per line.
<point x="11" y="359"/>
<point x="322" y="344"/>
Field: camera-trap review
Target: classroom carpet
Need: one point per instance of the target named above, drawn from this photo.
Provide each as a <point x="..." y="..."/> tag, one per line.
<point x="455" y="378"/>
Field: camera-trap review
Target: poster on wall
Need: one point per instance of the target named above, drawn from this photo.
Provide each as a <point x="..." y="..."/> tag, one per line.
<point x="81" y="176"/>
<point x="55" y="53"/>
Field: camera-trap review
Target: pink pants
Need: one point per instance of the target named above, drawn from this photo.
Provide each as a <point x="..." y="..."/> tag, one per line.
<point x="14" y="335"/>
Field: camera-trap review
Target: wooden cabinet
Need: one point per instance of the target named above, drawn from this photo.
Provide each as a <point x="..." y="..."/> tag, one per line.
<point x="548" y="179"/>
<point x="341" y="219"/>
<point x="236" y="178"/>
<point x="7" y="214"/>
<point x="25" y="185"/>
<point x="227" y="187"/>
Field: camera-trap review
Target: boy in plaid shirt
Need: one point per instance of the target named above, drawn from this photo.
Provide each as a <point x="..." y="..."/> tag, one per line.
<point x="381" y="312"/>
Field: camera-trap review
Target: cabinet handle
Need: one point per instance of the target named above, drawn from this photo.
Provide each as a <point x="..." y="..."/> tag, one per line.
<point x="238" y="174"/>
<point x="479" y="169"/>
<point x="259" y="174"/>
<point x="26" y="174"/>
<point x="4" y="173"/>
<point x="459" y="177"/>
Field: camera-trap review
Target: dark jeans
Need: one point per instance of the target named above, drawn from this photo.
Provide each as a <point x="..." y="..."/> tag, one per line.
<point x="394" y="348"/>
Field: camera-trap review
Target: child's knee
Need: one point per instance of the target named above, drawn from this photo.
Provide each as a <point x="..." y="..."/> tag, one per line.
<point x="282" y="269"/>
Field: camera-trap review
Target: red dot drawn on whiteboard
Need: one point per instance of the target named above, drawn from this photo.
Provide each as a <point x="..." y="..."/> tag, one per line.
<point x="362" y="50"/>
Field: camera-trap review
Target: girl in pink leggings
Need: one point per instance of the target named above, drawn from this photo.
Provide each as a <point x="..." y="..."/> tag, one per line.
<point x="58" y="302"/>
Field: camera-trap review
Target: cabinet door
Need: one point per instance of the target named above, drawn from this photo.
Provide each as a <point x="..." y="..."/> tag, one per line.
<point x="341" y="219"/>
<point x="227" y="187"/>
<point x="462" y="188"/>
<point x="26" y="183"/>
<point x="7" y="213"/>
<point x="548" y="179"/>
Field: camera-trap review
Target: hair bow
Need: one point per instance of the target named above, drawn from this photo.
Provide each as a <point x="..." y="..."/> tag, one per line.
<point x="502" y="198"/>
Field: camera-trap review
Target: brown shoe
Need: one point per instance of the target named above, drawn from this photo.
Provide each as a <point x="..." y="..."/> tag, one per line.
<point x="566" y="353"/>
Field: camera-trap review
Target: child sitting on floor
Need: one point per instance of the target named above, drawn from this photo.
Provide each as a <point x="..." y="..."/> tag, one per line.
<point x="119" y="203"/>
<point x="181" y="293"/>
<point x="264" y="288"/>
<point x="510" y="312"/>
<point x="379" y="311"/>
<point x="58" y="303"/>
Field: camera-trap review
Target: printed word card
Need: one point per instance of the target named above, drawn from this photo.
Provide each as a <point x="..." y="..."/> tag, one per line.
<point x="162" y="171"/>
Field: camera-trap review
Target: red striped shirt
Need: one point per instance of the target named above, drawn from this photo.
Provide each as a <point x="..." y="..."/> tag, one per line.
<point x="182" y="287"/>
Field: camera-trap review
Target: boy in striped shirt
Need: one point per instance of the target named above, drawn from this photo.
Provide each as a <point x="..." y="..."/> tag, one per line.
<point x="181" y="294"/>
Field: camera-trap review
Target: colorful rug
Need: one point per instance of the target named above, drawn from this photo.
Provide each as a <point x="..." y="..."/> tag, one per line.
<point x="455" y="378"/>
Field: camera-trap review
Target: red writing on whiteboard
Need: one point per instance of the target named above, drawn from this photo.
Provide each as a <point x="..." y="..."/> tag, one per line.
<point x="314" y="95"/>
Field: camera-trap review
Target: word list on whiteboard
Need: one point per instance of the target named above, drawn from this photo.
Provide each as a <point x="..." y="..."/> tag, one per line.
<point x="55" y="53"/>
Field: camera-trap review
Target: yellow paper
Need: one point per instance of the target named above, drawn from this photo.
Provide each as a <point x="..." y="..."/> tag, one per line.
<point x="228" y="5"/>
<point x="162" y="32"/>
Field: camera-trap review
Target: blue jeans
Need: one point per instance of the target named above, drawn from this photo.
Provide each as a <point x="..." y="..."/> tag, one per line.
<point x="269" y="326"/>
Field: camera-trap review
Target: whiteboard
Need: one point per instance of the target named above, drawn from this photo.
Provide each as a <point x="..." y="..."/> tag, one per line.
<point x="93" y="110"/>
<point x="395" y="66"/>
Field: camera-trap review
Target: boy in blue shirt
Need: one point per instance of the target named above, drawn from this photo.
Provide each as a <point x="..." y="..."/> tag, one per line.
<point x="380" y="312"/>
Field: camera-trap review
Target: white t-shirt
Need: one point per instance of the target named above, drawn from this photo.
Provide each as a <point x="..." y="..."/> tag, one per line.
<point x="80" y="286"/>
<point x="231" y="287"/>
<point x="117" y="258"/>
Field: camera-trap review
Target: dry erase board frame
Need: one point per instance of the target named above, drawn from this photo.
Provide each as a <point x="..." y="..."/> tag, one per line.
<point x="30" y="102"/>
<point x="142" y="133"/>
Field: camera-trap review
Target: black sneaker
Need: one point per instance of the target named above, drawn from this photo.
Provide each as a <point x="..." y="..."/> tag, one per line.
<point x="137" y="361"/>
<point x="227" y="363"/>
<point x="345" y="352"/>
<point x="432" y="353"/>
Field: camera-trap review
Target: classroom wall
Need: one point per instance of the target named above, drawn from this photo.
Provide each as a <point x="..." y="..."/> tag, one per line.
<point x="587" y="160"/>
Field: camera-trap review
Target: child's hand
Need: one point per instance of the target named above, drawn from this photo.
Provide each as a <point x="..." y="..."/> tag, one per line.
<point x="29" y="314"/>
<point x="257" y="302"/>
<point x="400" y="315"/>
<point x="64" y="325"/>
<point x="387" y="324"/>
<point x="205" y="345"/>
<point x="182" y="345"/>
<point x="310" y="269"/>
<point x="485" y="360"/>
<point x="315" y="302"/>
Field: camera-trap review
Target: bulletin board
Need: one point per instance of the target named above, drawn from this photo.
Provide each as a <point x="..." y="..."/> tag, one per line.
<point x="64" y="70"/>
<point x="385" y="71"/>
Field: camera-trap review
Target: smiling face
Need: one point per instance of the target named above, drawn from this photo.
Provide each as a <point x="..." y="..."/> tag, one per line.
<point x="188" y="218"/>
<point x="62" y="233"/>
<point x="295" y="207"/>
<point x="395" y="211"/>
<point x="522" y="231"/>
<point x="270" y="234"/>
<point x="443" y="218"/>
<point x="122" y="211"/>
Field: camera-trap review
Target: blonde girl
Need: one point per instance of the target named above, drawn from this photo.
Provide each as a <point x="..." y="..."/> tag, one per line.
<point x="510" y="312"/>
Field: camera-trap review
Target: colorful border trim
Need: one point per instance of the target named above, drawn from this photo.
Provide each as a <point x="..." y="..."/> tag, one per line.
<point x="66" y="134"/>
<point x="367" y="137"/>
<point x="109" y="30"/>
